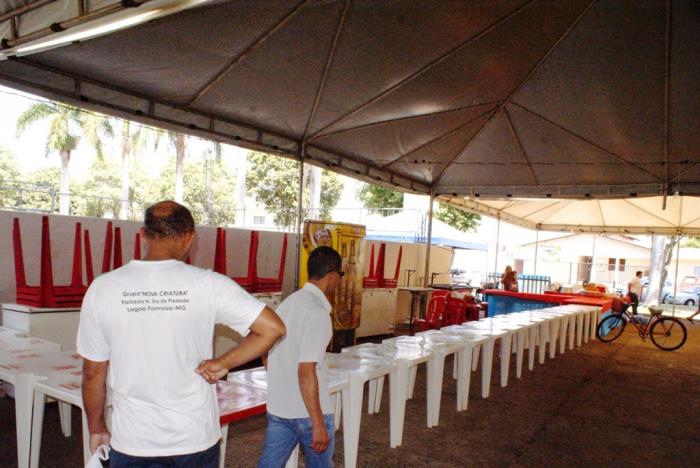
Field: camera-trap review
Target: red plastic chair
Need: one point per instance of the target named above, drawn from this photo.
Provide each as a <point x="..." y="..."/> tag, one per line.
<point x="433" y="316"/>
<point x="371" y="281"/>
<point x="456" y="311"/>
<point x="263" y="284"/>
<point x="246" y="282"/>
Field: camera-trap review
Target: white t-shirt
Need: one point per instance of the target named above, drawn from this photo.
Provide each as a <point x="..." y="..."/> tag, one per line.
<point x="635" y="286"/>
<point x="154" y="322"/>
<point x="306" y="315"/>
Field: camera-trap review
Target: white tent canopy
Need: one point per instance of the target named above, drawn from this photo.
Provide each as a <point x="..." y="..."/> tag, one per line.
<point x="639" y="215"/>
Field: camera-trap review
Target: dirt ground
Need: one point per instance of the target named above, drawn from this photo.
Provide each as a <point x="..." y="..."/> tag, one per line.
<point x="620" y="404"/>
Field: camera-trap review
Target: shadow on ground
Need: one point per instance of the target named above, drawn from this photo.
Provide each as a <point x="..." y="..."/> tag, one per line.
<point x="620" y="404"/>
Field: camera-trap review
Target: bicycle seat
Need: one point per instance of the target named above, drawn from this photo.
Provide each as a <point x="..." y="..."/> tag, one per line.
<point x="655" y="310"/>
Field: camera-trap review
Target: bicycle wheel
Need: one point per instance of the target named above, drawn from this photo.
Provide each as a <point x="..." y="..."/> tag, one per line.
<point x="610" y="328"/>
<point x="668" y="333"/>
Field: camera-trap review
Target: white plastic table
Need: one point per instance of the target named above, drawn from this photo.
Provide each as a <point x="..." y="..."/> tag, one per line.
<point x="586" y="320"/>
<point x="237" y="401"/>
<point x="257" y="378"/>
<point x="443" y="345"/>
<point x="486" y="340"/>
<point x="539" y="334"/>
<point x="502" y="331"/>
<point x="526" y="331"/>
<point x="21" y="363"/>
<point x="62" y="382"/>
<point x="406" y="355"/>
<point x="559" y="321"/>
<point x="359" y="370"/>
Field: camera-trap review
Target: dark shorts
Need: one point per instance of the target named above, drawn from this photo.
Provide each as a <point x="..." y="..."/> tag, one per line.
<point x="208" y="458"/>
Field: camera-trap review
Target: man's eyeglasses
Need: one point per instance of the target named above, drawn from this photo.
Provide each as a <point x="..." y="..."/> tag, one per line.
<point x="340" y="273"/>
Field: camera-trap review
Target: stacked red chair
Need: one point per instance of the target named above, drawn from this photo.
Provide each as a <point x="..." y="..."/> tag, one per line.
<point x="268" y="285"/>
<point x="89" y="273"/>
<point x="118" y="261"/>
<point x="247" y="282"/>
<point x="371" y="281"/>
<point x="376" y="277"/>
<point x="137" y="246"/>
<point x="46" y="294"/>
<point x="111" y="252"/>
<point x="107" y="250"/>
<point x="393" y="282"/>
<point x="434" y="315"/>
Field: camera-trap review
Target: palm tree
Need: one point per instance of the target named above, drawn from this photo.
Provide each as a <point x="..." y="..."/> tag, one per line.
<point x="179" y="167"/>
<point x="134" y="139"/>
<point x="67" y="125"/>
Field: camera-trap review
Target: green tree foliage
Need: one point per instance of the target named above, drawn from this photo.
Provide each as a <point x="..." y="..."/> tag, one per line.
<point x="274" y="181"/>
<point x="378" y="199"/>
<point x="208" y="190"/>
<point x="691" y="242"/>
<point x="9" y="173"/>
<point x="100" y="193"/>
<point x="457" y="218"/>
<point x="40" y="190"/>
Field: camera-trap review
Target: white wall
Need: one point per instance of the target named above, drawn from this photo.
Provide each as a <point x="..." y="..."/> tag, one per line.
<point x="62" y="230"/>
<point x="270" y="244"/>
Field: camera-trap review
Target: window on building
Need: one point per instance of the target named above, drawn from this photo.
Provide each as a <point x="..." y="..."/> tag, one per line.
<point x="258" y="220"/>
<point x="611" y="264"/>
<point x="621" y="264"/>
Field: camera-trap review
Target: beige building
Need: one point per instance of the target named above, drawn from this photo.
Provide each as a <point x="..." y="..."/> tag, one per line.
<point x="603" y="258"/>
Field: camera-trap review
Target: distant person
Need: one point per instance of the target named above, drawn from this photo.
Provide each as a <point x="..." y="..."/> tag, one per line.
<point x="634" y="291"/>
<point x="151" y="324"/>
<point x="299" y="408"/>
<point x="509" y="279"/>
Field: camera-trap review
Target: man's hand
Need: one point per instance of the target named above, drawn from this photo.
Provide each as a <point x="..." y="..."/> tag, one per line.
<point x="99" y="438"/>
<point x="212" y="370"/>
<point x="319" y="438"/>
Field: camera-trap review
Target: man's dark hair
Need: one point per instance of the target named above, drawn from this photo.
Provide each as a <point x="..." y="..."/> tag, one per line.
<point x="167" y="219"/>
<point x="322" y="261"/>
<point x="638" y="273"/>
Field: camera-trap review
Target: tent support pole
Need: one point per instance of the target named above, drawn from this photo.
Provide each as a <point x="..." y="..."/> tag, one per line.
<point x="300" y="215"/>
<point x="426" y="280"/>
<point x="498" y="238"/>
<point x="675" y="280"/>
<point x="537" y="241"/>
<point x="590" y="272"/>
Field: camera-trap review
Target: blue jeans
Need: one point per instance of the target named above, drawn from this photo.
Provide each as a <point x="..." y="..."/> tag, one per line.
<point x="208" y="458"/>
<point x="282" y="435"/>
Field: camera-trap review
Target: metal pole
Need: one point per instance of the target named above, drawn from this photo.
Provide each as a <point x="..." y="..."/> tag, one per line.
<point x="675" y="281"/>
<point x="537" y="240"/>
<point x="498" y="237"/>
<point x="300" y="214"/>
<point x="429" y="239"/>
<point x="590" y="272"/>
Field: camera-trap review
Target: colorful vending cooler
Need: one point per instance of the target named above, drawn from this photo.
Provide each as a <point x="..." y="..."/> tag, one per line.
<point x="348" y="241"/>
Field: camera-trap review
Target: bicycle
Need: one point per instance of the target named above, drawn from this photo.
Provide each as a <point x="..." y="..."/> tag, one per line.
<point x="667" y="333"/>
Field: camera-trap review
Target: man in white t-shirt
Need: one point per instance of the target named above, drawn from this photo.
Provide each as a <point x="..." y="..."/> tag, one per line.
<point x="299" y="409"/>
<point x="146" y="332"/>
<point x="634" y="290"/>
